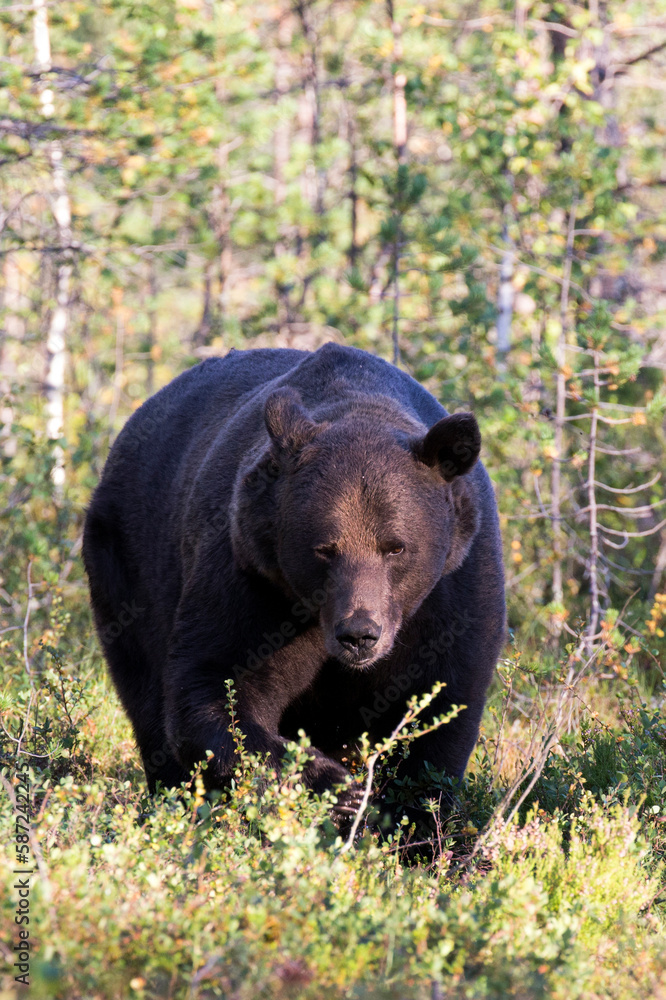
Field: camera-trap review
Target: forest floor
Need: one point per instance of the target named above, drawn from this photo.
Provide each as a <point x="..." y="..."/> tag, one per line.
<point x="255" y="894"/>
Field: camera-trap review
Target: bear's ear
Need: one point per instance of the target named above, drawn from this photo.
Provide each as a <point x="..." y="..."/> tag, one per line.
<point x="466" y="523"/>
<point x="289" y="426"/>
<point x="453" y="445"/>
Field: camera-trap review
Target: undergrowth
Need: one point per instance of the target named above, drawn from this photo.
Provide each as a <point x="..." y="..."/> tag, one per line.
<point x="251" y="898"/>
<point x="250" y="893"/>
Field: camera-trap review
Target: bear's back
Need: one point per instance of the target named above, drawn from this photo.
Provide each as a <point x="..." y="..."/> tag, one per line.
<point x="196" y="406"/>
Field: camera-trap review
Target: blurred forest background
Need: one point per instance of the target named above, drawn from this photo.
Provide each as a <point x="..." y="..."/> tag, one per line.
<point x="476" y="190"/>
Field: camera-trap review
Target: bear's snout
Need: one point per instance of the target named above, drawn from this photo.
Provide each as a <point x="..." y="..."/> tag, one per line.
<point x="358" y="634"/>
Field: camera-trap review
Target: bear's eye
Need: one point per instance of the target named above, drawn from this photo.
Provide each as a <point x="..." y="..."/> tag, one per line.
<point x="394" y="549"/>
<point x="326" y="551"/>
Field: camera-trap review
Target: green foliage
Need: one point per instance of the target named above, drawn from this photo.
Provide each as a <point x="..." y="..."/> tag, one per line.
<point x="234" y="181"/>
<point x="249" y="893"/>
<point x="625" y="767"/>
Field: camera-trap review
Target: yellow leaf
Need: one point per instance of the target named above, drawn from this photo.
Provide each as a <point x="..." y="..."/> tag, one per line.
<point x="638" y="419"/>
<point x="622" y="21"/>
<point x="202" y="135"/>
<point x="417" y="16"/>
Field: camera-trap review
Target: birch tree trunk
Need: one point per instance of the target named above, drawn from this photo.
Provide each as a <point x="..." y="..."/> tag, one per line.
<point x="400" y="146"/>
<point x="54" y="384"/>
<point x="281" y="146"/>
<point x="593" y="565"/>
<point x="560" y="357"/>
<point x="505" y="291"/>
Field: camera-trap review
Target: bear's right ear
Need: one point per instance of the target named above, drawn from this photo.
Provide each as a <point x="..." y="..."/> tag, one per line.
<point x="289" y="426"/>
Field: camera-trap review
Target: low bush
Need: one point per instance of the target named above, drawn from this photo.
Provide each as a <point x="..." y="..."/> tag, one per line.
<point x="250" y="894"/>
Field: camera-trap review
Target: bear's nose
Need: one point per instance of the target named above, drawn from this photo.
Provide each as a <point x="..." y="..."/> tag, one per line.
<point x="358" y="633"/>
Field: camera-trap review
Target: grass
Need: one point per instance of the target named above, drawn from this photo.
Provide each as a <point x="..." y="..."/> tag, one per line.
<point x="250" y="894"/>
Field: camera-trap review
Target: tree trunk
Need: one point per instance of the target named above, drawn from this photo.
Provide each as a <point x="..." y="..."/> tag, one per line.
<point x="353" y="178"/>
<point x="593" y="564"/>
<point x="400" y="146"/>
<point x="56" y="354"/>
<point x="560" y="357"/>
<point x="281" y="145"/>
<point x="659" y="569"/>
<point x="505" y="291"/>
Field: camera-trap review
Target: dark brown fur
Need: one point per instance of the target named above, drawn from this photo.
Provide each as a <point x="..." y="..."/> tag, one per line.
<point x="312" y="526"/>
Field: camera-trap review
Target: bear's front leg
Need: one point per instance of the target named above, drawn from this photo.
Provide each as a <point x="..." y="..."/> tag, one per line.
<point x="196" y="727"/>
<point x="198" y="720"/>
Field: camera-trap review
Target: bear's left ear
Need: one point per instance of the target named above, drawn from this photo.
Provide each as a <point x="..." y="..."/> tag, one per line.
<point x="452" y="445"/>
<point x="288" y="425"/>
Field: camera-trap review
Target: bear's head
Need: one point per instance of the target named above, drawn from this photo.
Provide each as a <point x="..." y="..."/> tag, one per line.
<point x="362" y="509"/>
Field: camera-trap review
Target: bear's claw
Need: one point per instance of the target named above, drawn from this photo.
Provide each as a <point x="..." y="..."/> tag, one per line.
<point x="350" y="800"/>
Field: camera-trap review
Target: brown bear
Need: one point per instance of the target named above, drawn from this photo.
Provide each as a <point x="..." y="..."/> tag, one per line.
<point x="313" y="526"/>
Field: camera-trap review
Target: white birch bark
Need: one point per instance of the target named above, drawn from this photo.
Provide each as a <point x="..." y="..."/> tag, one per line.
<point x="505" y="295"/>
<point x="56" y="355"/>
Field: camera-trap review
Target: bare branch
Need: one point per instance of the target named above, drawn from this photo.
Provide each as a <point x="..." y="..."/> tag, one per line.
<point x="629" y="489"/>
<point x="473" y="23"/>
<point x="617" y="547"/>
<point x="559" y="29"/>
<point x="620" y="406"/>
<point x="25" y="7"/>
<point x="618" y="451"/>
<point x="26" y="623"/>
<point x="632" y="534"/>
<point x="614" y="420"/>
<point x="39" y="130"/>
<point x="639" y="512"/>
<point x="644" y="55"/>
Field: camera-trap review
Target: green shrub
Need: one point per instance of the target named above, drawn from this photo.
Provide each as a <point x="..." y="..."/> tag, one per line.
<point x="247" y="894"/>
